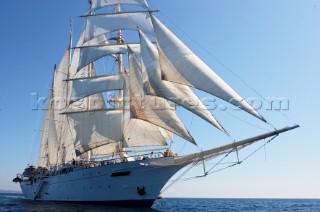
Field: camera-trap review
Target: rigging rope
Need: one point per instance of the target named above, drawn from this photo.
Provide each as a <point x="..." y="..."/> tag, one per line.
<point x="246" y="122"/>
<point x="36" y="138"/>
<point x="179" y="177"/>
<point x="211" y="170"/>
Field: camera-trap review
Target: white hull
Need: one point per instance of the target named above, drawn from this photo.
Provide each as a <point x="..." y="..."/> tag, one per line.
<point x="115" y="184"/>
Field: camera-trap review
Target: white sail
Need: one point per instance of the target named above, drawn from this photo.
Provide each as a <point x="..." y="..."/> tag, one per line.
<point x="138" y="133"/>
<point x="180" y="94"/>
<point x="100" y="40"/>
<point x="194" y="70"/>
<point x="90" y="54"/>
<point x="166" y="134"/>
<point x="82" y="52"/>
<point x="92" y="102"/>
<point x="49" y="142"/>
<point x="92" y="129"/>
<point x="98" y="4"/>
<point x="169" y="72"/>
<point x="60" y="94"/>
<point x="102" y="24"/>
<point x="60" y="85"/>
<point x="82" y="88"/>
<point x="153" y="109"/>
<point x="95" y="101"/>
<point x="75" y="59"/>
<point x="106" y="149"/>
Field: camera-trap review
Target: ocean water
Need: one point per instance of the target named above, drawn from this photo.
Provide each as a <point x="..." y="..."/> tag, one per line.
<point x="16" y="202"/>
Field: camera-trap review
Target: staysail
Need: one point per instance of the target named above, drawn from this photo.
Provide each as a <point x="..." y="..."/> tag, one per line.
<point x="153" y="109"/>
<point x="178" y="93"/>
<point x="194" y="70"/>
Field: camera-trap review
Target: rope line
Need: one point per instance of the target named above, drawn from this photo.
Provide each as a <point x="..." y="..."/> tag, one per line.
<point x="211" y="170"/>
<point x="179" y="177"/>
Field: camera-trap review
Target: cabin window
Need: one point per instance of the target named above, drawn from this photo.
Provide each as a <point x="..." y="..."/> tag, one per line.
<point x="120" y="174"/>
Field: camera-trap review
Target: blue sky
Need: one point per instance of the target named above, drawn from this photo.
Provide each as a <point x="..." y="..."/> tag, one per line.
<point x="274" y="46"/>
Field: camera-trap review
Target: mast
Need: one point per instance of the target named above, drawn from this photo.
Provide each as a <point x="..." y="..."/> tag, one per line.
<point x="88" y="107"/>
<point x="70" y="44"/>
<point x="120" y="59"/>
<point x="120" y="67"/>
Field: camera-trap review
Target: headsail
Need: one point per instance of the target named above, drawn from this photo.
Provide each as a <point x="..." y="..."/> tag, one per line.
<point x="153" y="109"/>
<point x="180" y="94"/>
<point x="194" y="70"/>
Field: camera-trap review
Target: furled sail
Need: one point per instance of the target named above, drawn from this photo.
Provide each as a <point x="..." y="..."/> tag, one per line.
<point x="82" y="88"/>
<point x="97" y="4"/>
<point x="180" y="94"/>
<point x="153" y="109"/>
<point x="92" y="129"/>
<point x="194" y="70"/>
<point x="102" y="24"/>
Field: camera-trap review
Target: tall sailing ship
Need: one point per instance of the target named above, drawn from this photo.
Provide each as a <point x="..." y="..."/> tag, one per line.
<point x="120" y="155"/>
